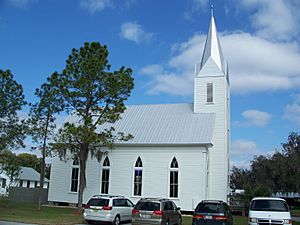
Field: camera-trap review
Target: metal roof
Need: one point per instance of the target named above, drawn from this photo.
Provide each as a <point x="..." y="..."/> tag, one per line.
<point x="28" y="173"/>
<point x="165" y="124"/>
<point x="212" y="50"/>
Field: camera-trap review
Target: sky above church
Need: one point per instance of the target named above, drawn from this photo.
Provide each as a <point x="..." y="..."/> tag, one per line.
<point x="162" y="41"/>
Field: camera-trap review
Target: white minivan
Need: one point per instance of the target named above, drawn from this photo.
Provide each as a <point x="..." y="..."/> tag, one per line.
<point x="266" y="211"/>
<point x="108" y="208"/>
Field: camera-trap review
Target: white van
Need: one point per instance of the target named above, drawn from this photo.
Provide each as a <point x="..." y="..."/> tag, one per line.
<point x="265" y="211"/>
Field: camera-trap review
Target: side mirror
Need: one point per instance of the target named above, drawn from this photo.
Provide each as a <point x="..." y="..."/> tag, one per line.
<point x="178" y="208"/>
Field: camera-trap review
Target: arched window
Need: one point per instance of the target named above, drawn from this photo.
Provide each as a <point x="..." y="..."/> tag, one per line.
<point x="138" y="172"/>
<point x="105" y="176"/>
<point x="174" y="178"/>
<point x="75" y="175"/>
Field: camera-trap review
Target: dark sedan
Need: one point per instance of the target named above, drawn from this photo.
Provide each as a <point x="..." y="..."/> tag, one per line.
<point x="210" y="212"/>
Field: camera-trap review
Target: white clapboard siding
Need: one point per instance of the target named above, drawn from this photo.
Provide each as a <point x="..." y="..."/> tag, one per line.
<point x="156" y="164"/>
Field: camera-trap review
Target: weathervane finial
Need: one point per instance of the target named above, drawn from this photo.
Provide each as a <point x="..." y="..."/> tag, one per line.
<point x="212" y="10"/>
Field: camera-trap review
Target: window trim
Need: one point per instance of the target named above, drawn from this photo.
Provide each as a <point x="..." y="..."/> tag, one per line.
<point x="75" y="166"/>
<point x="209" y="99"/>
<point x="105" y="167"/>
<point x="138" y="166"/>
<point x="173" y="168"/>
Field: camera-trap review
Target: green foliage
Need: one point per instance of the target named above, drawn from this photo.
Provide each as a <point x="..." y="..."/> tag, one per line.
<point x="11" y="165"/>
<point x="291" y="151"/>
<point x="270" y="174"/>
<point x="42" y="118"/>
<point x="239" y="178"/>
<point x="252" y="191"/>
<point x="12" y="131"/>
<point x="93" y="95"/>
<point x="29" y="160"/>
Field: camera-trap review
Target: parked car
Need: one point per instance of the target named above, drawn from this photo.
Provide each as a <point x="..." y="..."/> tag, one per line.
<point x="108" y="208"/>
<point x="265" y="211"/>
<point x="156" y="211"/>
<point x="212" y="212"/>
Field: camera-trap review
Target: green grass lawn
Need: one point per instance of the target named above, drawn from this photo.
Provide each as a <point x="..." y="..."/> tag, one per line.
<point x="296" y="212"/>
<point x="28" y="213"/>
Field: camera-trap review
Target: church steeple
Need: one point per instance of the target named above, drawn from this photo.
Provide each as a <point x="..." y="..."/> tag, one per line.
<point x="211" y="82"/>
<point x="212" y="62"/>
<point x="212" y="95"/>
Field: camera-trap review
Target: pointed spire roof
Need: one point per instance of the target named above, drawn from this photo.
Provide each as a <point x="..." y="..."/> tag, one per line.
<point x="212" y="49"/>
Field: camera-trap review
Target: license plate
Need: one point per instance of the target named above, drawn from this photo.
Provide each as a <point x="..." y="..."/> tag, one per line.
<point x="146" y="216"/>
<point x="208" y="217"/>
<point x="95" y="210"/>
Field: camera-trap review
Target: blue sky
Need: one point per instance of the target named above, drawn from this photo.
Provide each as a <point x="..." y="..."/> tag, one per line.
<point x="161" y="41"/>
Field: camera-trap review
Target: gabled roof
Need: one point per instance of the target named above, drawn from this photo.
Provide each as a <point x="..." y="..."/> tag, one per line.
<point x="212" y="57"/>
<point x="168" y="124"/>
<point x="28" y="173"/>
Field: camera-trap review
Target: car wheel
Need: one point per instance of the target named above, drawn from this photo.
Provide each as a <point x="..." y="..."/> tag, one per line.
<point x="89" y="221"/>
<point x="116" y="220"/>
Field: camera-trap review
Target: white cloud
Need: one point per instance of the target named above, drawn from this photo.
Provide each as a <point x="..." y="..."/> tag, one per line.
<point x="21" y="3"/>
<point x="172" y="84"/>
<point x="254" y="118"/>
<point x="134" y="32"/>
<point x="275" y="20"/>
<point x="151" y="69"/>
<point x="255" y="64"/>
<point x="195" y="6"/>
<point x="296" y="98"/>
<point x="240" y="163"/>
<point x="292" y="112"/>
<point x="244" y="148"/>
<point x="128" y="3"/>
<point x="242" y="152"/>
<point x="95" y="5"/>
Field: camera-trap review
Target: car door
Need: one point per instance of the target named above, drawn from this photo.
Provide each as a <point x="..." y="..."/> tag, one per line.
<point x="176" y="213"/>
<point x="228" y="213"/>
<point x="128" y="208"/>
<point x="167" y="213"/>
<point x="118" y="209"/>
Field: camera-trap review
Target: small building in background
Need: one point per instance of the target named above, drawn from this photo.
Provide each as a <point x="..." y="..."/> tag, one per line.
<point x="28" y="178"/>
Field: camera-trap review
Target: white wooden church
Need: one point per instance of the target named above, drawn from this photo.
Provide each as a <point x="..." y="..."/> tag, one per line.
<point x="179" y="151"/>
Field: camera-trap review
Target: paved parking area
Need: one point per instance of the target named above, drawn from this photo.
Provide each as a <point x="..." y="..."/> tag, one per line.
<point x="296" y="219"/>
<point x="16" y="223"/>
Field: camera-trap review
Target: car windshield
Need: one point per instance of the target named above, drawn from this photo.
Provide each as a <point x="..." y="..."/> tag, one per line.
<point x="269" y="205"/>
<point x="148" y="206"/>
<point x="98" y="202"/>
<point x="209" y="208"/>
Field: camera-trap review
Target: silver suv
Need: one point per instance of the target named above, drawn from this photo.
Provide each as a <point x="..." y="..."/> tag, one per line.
<point x="156" y="211"/>
<point x="108" y="208"/>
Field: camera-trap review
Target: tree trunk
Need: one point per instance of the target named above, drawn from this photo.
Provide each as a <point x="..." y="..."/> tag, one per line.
<point x="42" y="174"/>
<point x="42" y="178"/>
<point x="82" y="178"/>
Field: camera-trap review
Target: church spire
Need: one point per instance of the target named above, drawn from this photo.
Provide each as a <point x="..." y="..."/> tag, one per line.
<point x="212" y="53"/>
